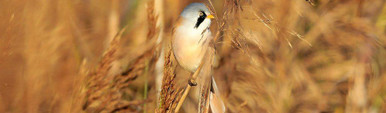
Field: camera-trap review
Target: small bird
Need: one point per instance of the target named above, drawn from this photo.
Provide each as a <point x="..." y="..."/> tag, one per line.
<point x="191" y="46"/>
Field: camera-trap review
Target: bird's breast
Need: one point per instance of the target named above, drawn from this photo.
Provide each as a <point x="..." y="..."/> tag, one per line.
<point x="189" y="49"/>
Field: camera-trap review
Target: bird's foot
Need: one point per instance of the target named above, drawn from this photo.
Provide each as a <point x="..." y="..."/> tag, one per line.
<point x="192" y="82"/>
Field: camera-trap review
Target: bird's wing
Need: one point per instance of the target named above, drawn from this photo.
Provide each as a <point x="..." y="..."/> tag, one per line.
<point x="204" y="79"/>
<point x="209" y="93"/>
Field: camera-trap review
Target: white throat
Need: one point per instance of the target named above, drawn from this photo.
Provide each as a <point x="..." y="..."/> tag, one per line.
<point x="188" y="27"/>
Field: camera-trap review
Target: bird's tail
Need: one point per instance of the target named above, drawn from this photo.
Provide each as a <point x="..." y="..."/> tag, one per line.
<point x="215" y="101"/>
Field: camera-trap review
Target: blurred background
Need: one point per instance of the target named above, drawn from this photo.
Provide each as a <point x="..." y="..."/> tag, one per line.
<point x="274" y="56"/>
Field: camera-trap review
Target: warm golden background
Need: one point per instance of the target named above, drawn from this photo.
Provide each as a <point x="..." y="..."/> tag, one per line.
<point x="274" y="56"/>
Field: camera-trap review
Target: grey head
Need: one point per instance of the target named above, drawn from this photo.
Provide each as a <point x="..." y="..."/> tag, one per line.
<point x="198" y="14"/>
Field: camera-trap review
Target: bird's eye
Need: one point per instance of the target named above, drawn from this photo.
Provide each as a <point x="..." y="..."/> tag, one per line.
<point x="201" y="14"/>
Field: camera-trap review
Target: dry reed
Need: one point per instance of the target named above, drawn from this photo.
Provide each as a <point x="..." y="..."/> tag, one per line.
<point x="271" y="56"/>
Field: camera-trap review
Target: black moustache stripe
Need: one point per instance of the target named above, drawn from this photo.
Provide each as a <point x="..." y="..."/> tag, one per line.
<point x="200" y="20"/>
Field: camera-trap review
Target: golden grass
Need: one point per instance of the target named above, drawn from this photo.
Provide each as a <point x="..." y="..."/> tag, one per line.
<point x="271" y="56"/>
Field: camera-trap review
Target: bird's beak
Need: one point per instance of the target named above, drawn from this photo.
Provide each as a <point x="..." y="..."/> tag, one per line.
<point x="210" y="16"/>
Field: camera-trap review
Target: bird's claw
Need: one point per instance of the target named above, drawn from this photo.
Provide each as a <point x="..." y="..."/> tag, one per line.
<point x="192" y="82"/>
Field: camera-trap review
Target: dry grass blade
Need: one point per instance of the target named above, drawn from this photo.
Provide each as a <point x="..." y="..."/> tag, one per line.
<point x="105" y="91"/>
<point x="99" y="82"/>
<point x="170" y="93"/>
